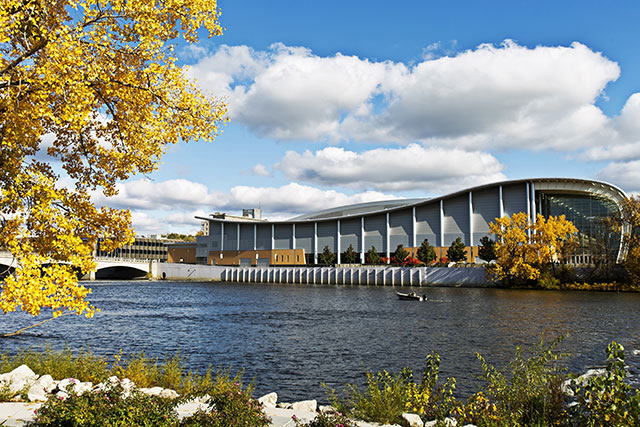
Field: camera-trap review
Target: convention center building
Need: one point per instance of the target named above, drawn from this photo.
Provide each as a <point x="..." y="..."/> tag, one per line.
<point x="249" y="240"/>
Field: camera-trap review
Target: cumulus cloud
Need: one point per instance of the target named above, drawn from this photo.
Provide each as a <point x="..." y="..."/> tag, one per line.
<point x="490" y="97"/>
<point x="161" y="207"/>
<point x="430" y="169"/>
<point x="624" y="174"/>
<point x="260" y="170"/>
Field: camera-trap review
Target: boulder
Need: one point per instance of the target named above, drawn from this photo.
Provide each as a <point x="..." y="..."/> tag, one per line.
<point x="19" y="379"/>
<point x="448" y="422"/>
<point x="284" y="405"/>
<point x="413" y="420"/>
<point x="327" y="409"/>
<point x="153" y="391"/>
<point x="305" y="405"/>
<point x="169" y="394"/>
<point x="269" y="400"/>
<point x="40" y="389"/>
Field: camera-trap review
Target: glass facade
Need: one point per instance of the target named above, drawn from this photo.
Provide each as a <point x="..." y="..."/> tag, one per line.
<point x="587" y="214"/>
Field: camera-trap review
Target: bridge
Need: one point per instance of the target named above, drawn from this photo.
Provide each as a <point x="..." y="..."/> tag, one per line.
<point x="107" y="268"/>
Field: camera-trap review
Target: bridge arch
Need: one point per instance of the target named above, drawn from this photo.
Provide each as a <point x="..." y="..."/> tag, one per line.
<point x="120" y="272"/>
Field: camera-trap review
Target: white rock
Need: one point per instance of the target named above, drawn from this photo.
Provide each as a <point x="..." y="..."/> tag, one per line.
<point x="448" y="422"/>
<point x="269" y="400"/>
<point x="305" y="405"/>
<point x="39" y="390"/>
<point x="169" y="394"/>
<point x="22" y="372"/>
<point x="189" y="408"/>
<point x="413" y="420"/>
<point x="284" y="405"/>
<point x="153" y="391"/>
<point x="327" y="409"/>
<point x="82" y="388"/>
<point x="67" y="384"/>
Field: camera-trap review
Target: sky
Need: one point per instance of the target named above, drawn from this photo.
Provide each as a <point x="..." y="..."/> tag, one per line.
<point x="339" y="102"/>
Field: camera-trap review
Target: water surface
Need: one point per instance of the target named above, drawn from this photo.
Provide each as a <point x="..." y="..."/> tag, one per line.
<point x="290" y="338"/>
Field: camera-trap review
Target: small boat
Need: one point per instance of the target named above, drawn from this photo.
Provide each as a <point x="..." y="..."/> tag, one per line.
<point x="411" y="296"/>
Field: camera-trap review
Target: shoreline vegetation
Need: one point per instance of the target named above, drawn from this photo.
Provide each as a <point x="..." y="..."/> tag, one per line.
<point x="533" y="389"/>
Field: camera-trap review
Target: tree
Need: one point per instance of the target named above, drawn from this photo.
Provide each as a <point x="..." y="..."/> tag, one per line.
<point x="487" y="250"/>
<point x="426" y="252"/>
<point x="456" y="251"/>
<point x="327" y="257"/>
<point x="628" y="226"/>
<point x="524" y="249"/>
<point x="350" y="256"/>
<point x="400" y="254"/>
<point x="372" y="256"/>
<point x="90" y="95"/>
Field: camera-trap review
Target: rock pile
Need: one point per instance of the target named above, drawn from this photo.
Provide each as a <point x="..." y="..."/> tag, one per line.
<point x="27" y="386"/>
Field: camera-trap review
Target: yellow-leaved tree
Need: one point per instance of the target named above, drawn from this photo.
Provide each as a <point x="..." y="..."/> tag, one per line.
<point x="524" y="248"/>
<point x="90" y="94"/>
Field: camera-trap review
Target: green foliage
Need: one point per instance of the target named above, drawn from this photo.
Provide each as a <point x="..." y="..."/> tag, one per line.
<point x="526" y="393"/>
<point x="400" y="254"/>
<point x="607" y="400"/>
<point x="86" y="366"/>
<point x="387" y="396"/>
<point x="426" y="252"/>
<point x="372" y="256"/>
<point x="229" y="405"/>
<point x="487" y="250"/>
<point x="107" y="408"/>
<point x="327" y="419"/>
<point x="456" y="251"/>
<point x="327" y="257"/>
<point x="350" y="256"/>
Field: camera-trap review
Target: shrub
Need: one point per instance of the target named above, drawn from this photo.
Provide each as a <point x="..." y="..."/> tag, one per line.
<point x="527" y="392"/>
<point x="229" y="405"/>
<point x="324" y="419"/>
<point x="607" y="400"/>
<point x="386" y="397"/>
<point x="108" y="408"/>
<point x="327" y="257"/>
<point x="487" y="250"/>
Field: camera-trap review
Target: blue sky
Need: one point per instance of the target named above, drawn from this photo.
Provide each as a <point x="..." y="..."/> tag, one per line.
<point x="333" y="103"/>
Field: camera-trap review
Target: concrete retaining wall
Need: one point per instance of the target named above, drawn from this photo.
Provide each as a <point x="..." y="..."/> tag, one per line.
<point x="374" y="276"/>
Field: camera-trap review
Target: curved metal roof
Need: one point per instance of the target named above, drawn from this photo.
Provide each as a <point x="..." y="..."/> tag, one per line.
<point x="560" y="185"/>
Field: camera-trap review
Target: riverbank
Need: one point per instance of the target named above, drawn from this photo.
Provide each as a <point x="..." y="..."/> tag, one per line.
<point x="532" y="390"/>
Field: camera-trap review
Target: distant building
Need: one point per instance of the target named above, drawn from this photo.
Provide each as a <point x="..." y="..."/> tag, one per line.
<point x="249" y="240"/>
<point x="142" y="248"/>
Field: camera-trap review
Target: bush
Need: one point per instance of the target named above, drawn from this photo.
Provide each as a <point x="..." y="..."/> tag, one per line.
<point x="400" y="254"/>
<point x="350" y="256"/>
<point x="607" y="400"/>
<point x="386" y="396"/>
<point x="372" y="256"/>
<point x="108" y="408"/>
<point x="456" y="251"/>
<point x="324" y="419"/>
<point x="426" y="253"/>
<point x="528" y="392"/>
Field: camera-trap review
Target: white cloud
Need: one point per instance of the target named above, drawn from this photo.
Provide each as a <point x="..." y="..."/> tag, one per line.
<point x="260" y="170"/>
<point x="506" y="96"/>
<point x="624" y="174"/>
<point x="170" y="206"/>
<point x="430" y="169"/>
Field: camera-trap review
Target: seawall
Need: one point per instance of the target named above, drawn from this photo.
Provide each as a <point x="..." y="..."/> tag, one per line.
<point x="363" y="275"/>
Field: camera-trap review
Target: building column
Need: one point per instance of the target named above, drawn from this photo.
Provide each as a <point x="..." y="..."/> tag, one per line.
<point x="221" y="237"/>
<point x="470" y="243"/>
<point x="362" y="252"/>
<point x="238" y="237"/>
<point x="339" y="254"/>
<point x="533" y="202"/>
<point x="413" y="228"/>
<point x="388" y="240"/>
<point x="501" y="201"/>
<point x="442" y="223"/>
<point x="293" y="237"/>
<point x="273" y="237"/>
<point x="528" y="211"/>
<point x="255" y="236"/>
<point x="315" y="243"/>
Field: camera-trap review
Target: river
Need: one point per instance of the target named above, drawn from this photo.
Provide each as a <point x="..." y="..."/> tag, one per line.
<point x="290" y="338"/>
